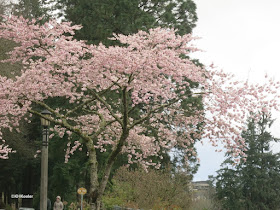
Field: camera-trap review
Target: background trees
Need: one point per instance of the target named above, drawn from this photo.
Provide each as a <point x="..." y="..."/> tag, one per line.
<point x="30" y="9"/>
<point x="254" y="183"/>
<point x="100" y="19"/>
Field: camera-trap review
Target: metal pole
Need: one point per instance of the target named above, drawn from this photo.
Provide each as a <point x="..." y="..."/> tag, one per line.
<point x="44" y="170"/>
<point x="81" y="201"/>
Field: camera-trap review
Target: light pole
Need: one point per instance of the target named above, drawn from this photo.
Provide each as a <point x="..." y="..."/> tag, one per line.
<point x="44" y="161"/>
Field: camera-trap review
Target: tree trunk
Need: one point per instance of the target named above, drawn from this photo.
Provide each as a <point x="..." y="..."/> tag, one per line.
<point x="97" y="190"/>
<point x="108" y="168"/>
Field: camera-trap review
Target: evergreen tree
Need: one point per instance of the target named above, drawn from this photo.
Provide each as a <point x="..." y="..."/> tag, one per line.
<point x="101" y="18"/>
<point x="3" y="8"/>
<point x="254" y="183"/>
<point x="31" y="9"/>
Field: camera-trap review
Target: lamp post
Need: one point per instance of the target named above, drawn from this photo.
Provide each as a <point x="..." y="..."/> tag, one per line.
<point x="44" y="161"/>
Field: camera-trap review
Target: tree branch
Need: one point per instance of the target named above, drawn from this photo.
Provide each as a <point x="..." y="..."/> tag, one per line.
<point x="98" y="97"/>
<point x="78" y="107"/>
<point x="62" y="122"/>
<point x="88" y="101"/>
<point x="151" y="112"/>
<point x="103" y="123"/>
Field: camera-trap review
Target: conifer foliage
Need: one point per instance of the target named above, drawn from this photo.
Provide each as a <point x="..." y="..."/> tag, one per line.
<point x="102" y="18"/>
<point x="254" y="183"/>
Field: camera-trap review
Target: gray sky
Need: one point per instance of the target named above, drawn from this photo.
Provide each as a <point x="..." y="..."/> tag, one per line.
<point x="241" y="37"/>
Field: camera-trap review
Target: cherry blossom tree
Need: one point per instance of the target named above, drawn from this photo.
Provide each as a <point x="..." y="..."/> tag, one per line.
<point x="116" y="96"/>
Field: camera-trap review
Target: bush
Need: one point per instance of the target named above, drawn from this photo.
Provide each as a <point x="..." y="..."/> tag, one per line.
<point x="153" y="190"/>
<point x="205" y="204"/>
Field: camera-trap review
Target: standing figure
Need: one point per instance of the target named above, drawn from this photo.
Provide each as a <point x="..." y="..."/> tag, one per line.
<point x="58" y="205"/>
<point x="49" y="204"/>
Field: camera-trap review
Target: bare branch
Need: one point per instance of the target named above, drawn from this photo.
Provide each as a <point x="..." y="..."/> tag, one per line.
<point x="151" y="112"/>
<point x="65" y="124"/>
<point x="78" y="107"/>
<point x="107" y="106"/>
<point x="88" y="101"/>
<point x="103" y="123"/>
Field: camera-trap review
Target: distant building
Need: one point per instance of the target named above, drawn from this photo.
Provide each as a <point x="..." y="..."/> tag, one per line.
<point x="200" y="189"/>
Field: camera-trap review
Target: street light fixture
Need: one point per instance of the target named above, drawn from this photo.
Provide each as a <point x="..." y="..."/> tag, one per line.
<point x="44" y="161"/>
<point x="45" y="122"/>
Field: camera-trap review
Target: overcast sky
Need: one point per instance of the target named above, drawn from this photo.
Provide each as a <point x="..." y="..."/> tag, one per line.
<point x="241" y="37"/>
